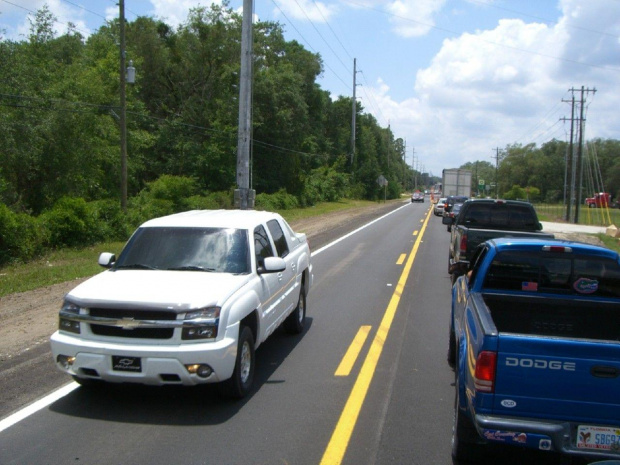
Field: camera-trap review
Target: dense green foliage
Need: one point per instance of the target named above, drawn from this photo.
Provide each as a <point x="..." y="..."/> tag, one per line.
<point x="59" y="127"/>
<point x="539" y="173"/>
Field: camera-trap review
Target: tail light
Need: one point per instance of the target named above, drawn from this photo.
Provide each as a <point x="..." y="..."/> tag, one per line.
<point x="484" y="377"/>
<point x="463" y="244"/>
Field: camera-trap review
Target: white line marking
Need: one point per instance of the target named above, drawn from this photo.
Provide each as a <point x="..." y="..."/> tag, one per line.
<point x="325" y="247"/>
<point x="36" y="406"/>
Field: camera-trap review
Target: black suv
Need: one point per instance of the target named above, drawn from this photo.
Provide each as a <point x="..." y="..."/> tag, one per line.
<point x="451" y="200"/>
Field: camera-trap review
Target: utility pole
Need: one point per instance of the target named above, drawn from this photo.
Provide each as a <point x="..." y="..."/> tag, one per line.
<point x="582" y="122"/>
<point x="244" y="196"/>
<point x="413" y="167"/>
<point x="576" y="166"/>
<point x="353" y="112"/>
<point x="405" y="166"/>
<point x="496" y="171"/>
<point x="570" y="175"/>
<point x="123" y="115"/>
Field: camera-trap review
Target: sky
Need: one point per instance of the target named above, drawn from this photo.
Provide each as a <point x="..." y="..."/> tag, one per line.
<point x="455" y="79"/>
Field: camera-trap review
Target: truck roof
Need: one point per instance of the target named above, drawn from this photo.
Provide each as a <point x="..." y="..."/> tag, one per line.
<point x="241" y="219"/>
<point x="534" y="244"/>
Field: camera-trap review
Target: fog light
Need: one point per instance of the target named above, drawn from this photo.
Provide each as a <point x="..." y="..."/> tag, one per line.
<point x="202" y="370"/>
<point x="65" y="361"/>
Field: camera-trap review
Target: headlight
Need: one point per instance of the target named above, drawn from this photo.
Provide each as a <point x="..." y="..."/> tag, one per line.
<point x="65" y="323"/>
<point x="201" y="324"/>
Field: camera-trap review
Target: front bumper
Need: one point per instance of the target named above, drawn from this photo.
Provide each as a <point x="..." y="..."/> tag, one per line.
<point x="555" y="436"/>
<point x="159" y="364"/>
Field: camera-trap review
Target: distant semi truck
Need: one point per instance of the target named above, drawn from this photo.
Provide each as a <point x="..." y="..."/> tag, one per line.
<point x="456" y="182"/>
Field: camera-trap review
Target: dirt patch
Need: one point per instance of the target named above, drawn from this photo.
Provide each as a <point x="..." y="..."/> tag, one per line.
<point x="29" y="318"/>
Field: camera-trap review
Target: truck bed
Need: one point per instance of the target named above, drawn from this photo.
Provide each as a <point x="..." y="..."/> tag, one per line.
<point x="541" y="316"/>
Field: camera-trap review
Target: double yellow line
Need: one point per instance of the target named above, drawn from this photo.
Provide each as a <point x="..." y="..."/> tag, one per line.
<point x="337" y="447"/>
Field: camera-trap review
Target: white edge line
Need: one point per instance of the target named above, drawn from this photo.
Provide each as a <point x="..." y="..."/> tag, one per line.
<point x="65" y="390"/>
<point x="36" y="406"/>
<point x="325" y="247"/>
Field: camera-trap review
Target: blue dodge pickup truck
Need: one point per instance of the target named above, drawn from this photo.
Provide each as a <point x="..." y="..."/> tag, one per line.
<point x="535" y="345"/>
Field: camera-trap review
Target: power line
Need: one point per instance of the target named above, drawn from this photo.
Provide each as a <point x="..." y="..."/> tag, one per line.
<point x="308" y="43"/>
<point x="321" y="36"/>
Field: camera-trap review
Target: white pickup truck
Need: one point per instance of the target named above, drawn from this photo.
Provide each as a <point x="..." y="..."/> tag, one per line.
<point x="187" y="302"/>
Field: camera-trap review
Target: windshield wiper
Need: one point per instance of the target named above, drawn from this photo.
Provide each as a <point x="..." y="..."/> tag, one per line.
<point x="190" y="268"/>
<point x="136" y="266"/>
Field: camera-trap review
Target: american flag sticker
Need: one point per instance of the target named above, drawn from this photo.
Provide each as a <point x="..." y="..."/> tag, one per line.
<point x="529" y="286"/>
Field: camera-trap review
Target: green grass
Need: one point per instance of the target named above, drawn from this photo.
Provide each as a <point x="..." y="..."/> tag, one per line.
<point x="612" y="243"/>
<point x="55" y="267"/>
<point x="69" y="264"/>
<point x="324" y="208"/>
<point x="587" y="216"/>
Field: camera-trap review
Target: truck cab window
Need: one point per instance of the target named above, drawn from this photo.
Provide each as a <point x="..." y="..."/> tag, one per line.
<point x="262" y="245"/>
<point x="278" y="238"/>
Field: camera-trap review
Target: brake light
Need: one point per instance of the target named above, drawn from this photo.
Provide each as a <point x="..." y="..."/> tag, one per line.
<point x="463" y="244"/>
<point x="557" y="249"/>
<point x="484" y="377"/>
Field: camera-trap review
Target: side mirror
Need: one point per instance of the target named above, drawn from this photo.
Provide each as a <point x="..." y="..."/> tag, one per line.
<point x="459" y="268"/>
<point x="107" y="259"/>
<point x="272" y="265"/>
<point x="447" y="220"/>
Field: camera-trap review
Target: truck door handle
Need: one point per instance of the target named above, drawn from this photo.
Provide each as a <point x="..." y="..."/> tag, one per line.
<point x="602" y="371"/>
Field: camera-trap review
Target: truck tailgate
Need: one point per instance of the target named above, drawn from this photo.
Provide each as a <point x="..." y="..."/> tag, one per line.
<point x="580" y="381"/>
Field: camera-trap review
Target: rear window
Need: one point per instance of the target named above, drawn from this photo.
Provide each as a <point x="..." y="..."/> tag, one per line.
<point x="535" y="272"/>
<point x="500" y="216"/>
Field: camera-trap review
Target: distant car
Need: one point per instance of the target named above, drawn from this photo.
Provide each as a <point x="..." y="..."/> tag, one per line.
<point x="456" y="208"/>
<point x="417" y="197"/>
<point x="438" y="210"/>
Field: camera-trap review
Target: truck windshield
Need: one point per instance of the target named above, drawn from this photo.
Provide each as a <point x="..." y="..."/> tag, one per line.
<point x="534" y="272"/>
<point x="218" y="250"/>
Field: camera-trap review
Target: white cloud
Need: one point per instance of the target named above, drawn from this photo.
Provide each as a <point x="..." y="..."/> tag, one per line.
<point x="413" y="18"/>
<point x="505" y="85"/>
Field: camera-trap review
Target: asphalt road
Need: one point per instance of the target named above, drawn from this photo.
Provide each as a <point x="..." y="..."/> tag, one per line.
<point x="389" y="401"/>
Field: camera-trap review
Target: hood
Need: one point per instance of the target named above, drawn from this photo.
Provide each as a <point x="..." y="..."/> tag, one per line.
<point x="155" y="289"/>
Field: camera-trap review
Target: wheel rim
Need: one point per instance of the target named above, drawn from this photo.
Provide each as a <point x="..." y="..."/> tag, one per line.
<point x="245" y="362"/>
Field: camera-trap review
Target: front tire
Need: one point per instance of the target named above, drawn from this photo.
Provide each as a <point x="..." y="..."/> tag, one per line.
<point x="240" y="383"/>
<point x="295" y="322"/>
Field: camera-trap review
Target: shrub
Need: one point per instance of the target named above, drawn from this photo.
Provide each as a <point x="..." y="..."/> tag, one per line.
<point x="142" y="208"/>
<point x="21" y="236"/>
<point x="71" y="222"/>
<point x="112" y="222"/>
<point x="174" y="188"/>
<point x="278" y="201"/>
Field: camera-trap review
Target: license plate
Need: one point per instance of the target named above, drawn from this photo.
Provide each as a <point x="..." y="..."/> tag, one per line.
<point x="598" y="437"/>
<point x="123" y="363"/>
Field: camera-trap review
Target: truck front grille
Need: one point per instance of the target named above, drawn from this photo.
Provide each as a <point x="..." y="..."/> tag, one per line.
<point x="135" y="333"/>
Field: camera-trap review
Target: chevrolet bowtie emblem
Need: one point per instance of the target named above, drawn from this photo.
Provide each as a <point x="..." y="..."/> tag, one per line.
<point x="127" y="323"/>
